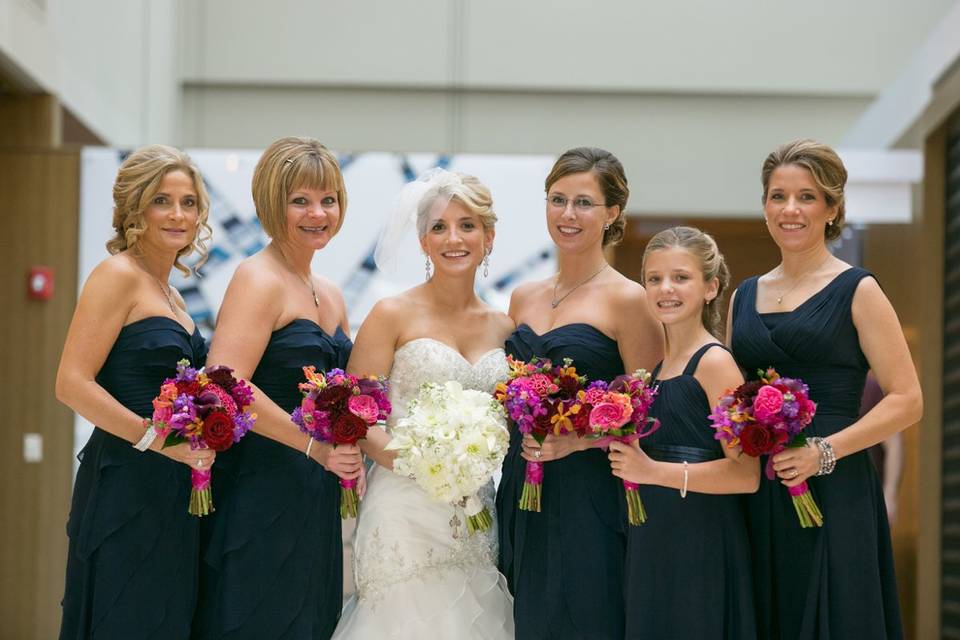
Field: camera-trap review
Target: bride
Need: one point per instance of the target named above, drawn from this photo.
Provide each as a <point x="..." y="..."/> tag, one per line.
<point x="418" y="572"/>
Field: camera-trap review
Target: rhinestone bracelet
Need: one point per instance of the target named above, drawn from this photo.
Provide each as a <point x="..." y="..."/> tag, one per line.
<point x="828" y="458"/>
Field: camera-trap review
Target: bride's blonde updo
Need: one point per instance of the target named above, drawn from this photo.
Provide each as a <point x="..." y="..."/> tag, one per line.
<point x="138" y="181"/>
<point x="457" y="187"/>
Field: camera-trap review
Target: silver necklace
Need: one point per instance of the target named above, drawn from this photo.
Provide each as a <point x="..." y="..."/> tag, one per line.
<point x="784" y="294"/>
<point x="556" y="301"/>
<point x="165" y="291"/>
<point x="308" y="281"/>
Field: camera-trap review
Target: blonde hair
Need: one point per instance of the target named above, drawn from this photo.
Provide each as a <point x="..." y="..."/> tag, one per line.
<point x="609" y="174"/>
<point x="138" y="181"/>
<point x="703" y="247"/>
<point x="466" y="190"/>
<point x="824" y="165"/>
<point x="288" y="164"/>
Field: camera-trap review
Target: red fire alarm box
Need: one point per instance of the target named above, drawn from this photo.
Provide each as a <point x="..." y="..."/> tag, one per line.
<point x="40" y="283"/>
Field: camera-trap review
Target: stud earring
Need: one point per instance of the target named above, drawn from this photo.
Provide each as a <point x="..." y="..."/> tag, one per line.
<point x="426" y="267"/>
<point x="606" y="227"/>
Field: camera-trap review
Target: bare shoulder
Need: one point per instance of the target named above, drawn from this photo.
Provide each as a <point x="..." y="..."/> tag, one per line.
<point x="116" y="271"/>
<point x="258" y="274"/>
<point x="391" y="309"/>
<point x="502" y="323"/>
<point x="329" y="287"/>
<point x="718" y="363"/>
<point x="522" y="294"/>
<point x="624" y="291"/>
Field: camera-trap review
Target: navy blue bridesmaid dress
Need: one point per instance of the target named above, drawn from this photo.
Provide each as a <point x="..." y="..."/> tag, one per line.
<point x="272" y="554"/>
<point x="133" y="549"/>
<point x="688" y="566"/>
<point x="834" y="582"/>
<point x="565" y="564"/>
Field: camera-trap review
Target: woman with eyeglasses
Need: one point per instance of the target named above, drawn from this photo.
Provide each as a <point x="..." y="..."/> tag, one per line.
<point x="565" y="563"/>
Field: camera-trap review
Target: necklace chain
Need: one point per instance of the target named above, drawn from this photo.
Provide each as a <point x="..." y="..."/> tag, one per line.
<point x="164" y="290"/>
<point x="784" y="294"/>
<point x="308" y="281"/>
<point x="556" y="301"/>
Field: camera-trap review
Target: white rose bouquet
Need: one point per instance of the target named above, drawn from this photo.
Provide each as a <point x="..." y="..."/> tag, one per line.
<point x="451" y="442"/>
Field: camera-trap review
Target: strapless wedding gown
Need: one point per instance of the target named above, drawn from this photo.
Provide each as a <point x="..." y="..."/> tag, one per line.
<point x="418" y="573"/>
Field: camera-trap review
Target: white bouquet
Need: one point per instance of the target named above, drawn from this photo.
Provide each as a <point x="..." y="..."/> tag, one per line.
<point x="451" y="442"/>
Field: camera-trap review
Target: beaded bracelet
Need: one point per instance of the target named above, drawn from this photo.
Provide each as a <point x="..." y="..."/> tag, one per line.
<point x="686" y="477"/>
<point x="828" y="457"/>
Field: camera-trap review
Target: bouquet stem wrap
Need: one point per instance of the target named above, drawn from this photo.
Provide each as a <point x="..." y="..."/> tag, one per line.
<point x="349" y="499"/>
<point x="636" y="514"/>
<point x="201" y="497"/>
<point x="803" y="503"/>
<point x="532" y="487"/>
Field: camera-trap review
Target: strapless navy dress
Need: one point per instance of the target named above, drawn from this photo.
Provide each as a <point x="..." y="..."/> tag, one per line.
<point x="688" y="566"/>
<point x="834" y="582"/>
<point x="133" y="550"/>
<point x="565" y="563"/>
<point x="272" y="554"/>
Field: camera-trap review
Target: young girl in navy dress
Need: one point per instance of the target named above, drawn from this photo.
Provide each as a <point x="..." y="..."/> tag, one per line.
<point x="688" y="567"/>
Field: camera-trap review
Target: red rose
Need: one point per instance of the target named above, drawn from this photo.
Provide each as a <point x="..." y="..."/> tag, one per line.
<point x="218" y="430"/>
<point x="191" y="388"/>
<point x="221" y="376"/>
<point x="581" y="420"/>
<point x="756" y="439"/>
<point x="332" y="397"/>
<point x="348" y="428"/>
<point x="542" y="425"/>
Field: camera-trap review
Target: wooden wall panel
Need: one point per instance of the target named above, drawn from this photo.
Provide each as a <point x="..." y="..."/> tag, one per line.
<point x="39" y="214"/>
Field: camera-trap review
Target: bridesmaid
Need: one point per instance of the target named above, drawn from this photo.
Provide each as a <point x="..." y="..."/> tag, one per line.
<point x="273" y="567"/>
<point x="565" y="564"/>
<point x="695" y="540"/>
<point x="817" y="318"/>
<point x="132" y="558"/>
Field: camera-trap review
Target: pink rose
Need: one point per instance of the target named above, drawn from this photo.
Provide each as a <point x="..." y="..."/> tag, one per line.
<point x="364" y="407"/>
<point x="767" y="404"/>
<point x="594" y="396"/>
<point x="610" y="415"/>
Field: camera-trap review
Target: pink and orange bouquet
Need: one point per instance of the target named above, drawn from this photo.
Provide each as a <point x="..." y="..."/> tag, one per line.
<point x="338" y="408"/>
<point x="540" y="399"/>
<point x="621" y="411"/>
<point x="208" y="409"/>
<point x="764" y="417"/>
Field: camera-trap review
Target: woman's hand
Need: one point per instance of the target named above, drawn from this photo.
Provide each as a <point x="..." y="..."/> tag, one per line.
<point x="183" y="453"/>
<point x="344" y="460"/>
<point x="553" y="447"/>
<point x="629" y="462"/>
<point x="794" y="465"/>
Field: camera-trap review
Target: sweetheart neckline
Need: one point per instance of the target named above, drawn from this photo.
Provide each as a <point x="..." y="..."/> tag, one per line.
<point x="472" y="365"/>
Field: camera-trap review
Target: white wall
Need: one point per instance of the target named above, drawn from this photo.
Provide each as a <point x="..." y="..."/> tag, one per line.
<point x="113" y="63"/>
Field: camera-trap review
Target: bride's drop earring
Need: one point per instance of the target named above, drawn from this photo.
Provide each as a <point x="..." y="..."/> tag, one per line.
<point x="486" y="263"/>
<point x="426" y="267"/>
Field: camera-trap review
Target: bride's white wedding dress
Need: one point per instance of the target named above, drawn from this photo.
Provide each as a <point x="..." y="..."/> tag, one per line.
<point x="418" y="573"/>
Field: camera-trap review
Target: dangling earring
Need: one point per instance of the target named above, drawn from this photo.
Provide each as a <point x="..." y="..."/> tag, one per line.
<point x="486" y="263"/>
<point x="426" y="267"/>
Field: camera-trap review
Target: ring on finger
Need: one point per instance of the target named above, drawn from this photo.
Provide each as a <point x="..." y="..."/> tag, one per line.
<point x="537" y="453"/>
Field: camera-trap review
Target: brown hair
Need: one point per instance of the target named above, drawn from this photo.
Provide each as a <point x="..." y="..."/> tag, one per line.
<point x="702" y="246"/>
<point x="138" y="181"/>
<point x="824" y="165"/>
<point x="610" y="176"/>
<point x="288" y="164"/>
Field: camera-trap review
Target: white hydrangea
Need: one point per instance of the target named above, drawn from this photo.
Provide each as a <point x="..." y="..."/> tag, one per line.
<point x="451" y="441"/>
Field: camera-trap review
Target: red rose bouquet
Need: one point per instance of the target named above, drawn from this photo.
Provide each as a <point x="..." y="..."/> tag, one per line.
<point x="337" y="408"/>
<point x="764" y="417"/>
<point x="541" y="398"/>
<point x="208" y="409"/>
<point x="621" y="411"/>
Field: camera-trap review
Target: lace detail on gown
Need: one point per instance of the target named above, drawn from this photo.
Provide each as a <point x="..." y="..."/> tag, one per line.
<point x="416" y="568"/>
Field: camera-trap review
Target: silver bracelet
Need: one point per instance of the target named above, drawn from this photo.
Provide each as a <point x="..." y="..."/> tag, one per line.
<point x="148" y="437"/>
<point x="686" y="477"/>
<point x="828" y="457"/>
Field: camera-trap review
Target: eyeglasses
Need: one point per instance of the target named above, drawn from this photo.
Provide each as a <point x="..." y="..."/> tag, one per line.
<point x="581" y="204"/>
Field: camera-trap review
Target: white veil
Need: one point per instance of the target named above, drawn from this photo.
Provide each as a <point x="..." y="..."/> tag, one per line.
<point x="431" y="189"/>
